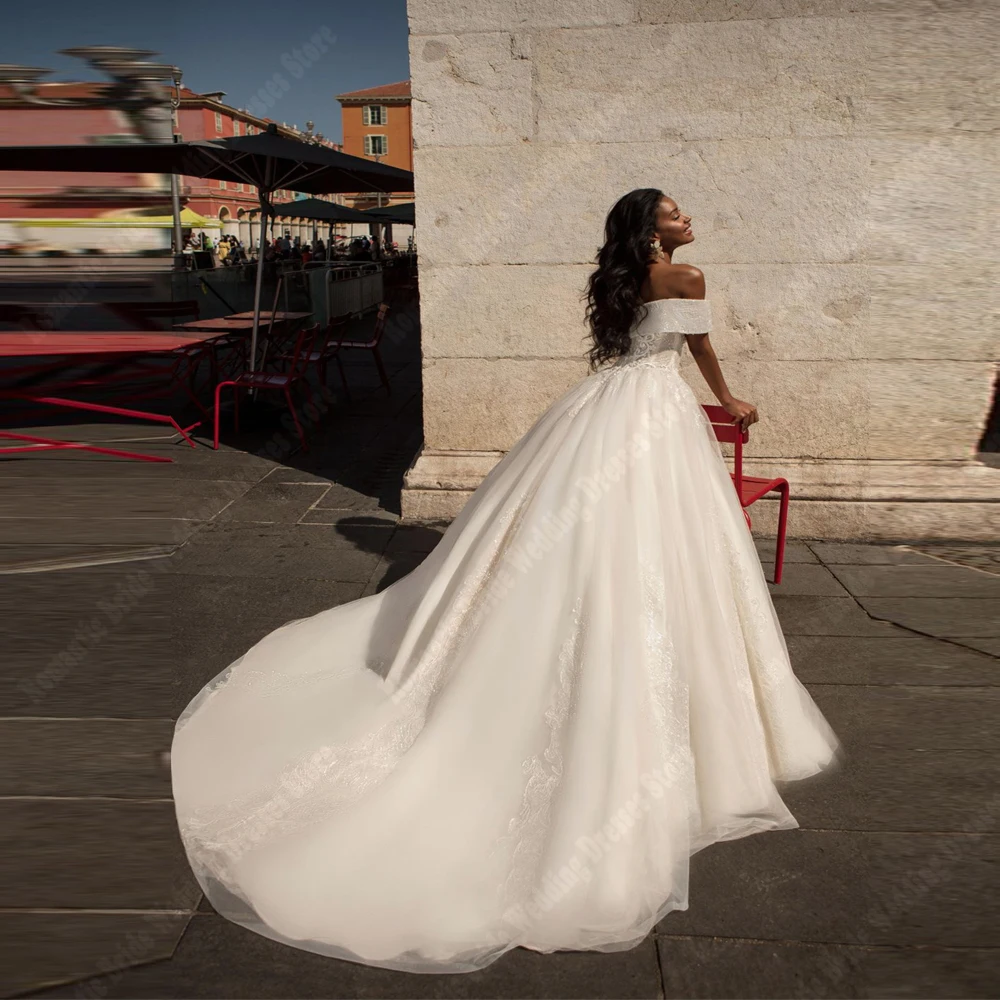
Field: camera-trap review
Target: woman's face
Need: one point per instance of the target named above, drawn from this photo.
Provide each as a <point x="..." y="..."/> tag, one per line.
<point x="673" y="227"/>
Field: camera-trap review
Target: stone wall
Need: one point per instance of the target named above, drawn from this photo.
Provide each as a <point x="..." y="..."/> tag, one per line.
<point x="837" y="157"/>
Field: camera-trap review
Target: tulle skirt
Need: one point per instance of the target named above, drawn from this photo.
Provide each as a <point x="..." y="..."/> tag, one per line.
<point x="523" y="741"/>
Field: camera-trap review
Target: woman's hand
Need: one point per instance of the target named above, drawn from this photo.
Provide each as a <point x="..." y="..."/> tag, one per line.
<point x="744" y="414"/>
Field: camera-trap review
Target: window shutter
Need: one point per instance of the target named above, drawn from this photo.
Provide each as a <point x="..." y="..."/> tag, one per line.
<point x="366" y="115"/>
<point x="385" y="115"/>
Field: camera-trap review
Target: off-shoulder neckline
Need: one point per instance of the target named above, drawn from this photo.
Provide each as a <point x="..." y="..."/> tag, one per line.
<point x="673" y="299"/>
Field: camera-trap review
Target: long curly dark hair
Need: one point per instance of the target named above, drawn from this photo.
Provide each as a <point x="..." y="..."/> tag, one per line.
<point x="613" y="301"/>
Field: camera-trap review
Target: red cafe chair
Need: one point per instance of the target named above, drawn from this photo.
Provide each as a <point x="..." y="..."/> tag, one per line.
<point x="749" y="489"/>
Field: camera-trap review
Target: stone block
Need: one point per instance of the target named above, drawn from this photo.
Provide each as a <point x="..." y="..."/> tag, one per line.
<point x="429" y="17"/>
<point x="480" y="404"/>
<point x="472" y="90"/>
<point x="933" y="71"/>
<point x="915" y="315"/>
<point x="762" y="200"/>
<point x="679" y="11"/>
<point x="502" y="311"/>
<point x="928" y="198"/>
<point x="735" y="80"/>
<point x="927" y="409"/>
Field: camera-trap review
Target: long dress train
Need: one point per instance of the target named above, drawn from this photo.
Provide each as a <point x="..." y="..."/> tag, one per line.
<point x="523" y="741"/>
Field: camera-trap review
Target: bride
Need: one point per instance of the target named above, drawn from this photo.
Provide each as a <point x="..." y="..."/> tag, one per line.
<point x="522" y="742"/>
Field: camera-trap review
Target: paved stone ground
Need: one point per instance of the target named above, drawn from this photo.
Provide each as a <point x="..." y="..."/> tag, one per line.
<point x="125" y="587"/>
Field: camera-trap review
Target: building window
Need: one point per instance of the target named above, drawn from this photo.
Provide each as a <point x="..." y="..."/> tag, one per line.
<point x="376" y="145"/>
<point x="222" y="185"/>
<point x="239" y="187"/>
<point x="218" y="122"/>
<point x="374" y="114"/>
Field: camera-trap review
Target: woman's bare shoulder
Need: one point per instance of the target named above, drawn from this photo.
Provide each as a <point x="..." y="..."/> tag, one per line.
<point x="676" y="281"/>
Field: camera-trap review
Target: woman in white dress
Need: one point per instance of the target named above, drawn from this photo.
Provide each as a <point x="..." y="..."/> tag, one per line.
<point x="523" y="741"/>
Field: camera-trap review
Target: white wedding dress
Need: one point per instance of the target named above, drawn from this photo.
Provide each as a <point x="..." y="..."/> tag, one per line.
<point x="523" y="741"/>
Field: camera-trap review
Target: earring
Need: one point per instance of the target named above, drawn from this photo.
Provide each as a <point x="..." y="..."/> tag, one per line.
<point x="656" y="247"/>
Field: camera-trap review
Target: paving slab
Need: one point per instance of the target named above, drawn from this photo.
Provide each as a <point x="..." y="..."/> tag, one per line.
<point x="990" y="646"/>
<point x="282" y="503"/>
<point x="284" y="550"/>
<point x="848" y="888"/>
<point x="900" y="659"/>
<point x="697" y="968"/>
<point x="896" y="790"/>
<point x="804" y="580"/>
<point x="119" y="758"/>
<point x="974" y="617"/>
<point x="342" y="497"/>
<point x="26" y="559"/>
<point x="912" y="718"/>
<point x="977" y="555"/>
<point x="796" y="551"/>
<point x="143" y="498"/>
<point x="199" y="463"/>
<point x="104" y="854"/>
<point x="917" y="581"/>
<point x="38" y="950"/>
<point x="865" y="555"/>
<point x="218" y="959"/>
<point x="393" y="568"/>
<point x="375" y="516"/>
<point x="103" y="530"/>
<point x="826" y="616"/>
<point x="415" y="537"/>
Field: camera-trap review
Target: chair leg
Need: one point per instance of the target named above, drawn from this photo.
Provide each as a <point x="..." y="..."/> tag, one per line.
<point x="295" y="417"/>
<point x="746" y="517"/>
<point x="381" y="369"/>
<point x="218" y="395"/>
<point x="343" y="376"/>
<point x="779" y="548"/>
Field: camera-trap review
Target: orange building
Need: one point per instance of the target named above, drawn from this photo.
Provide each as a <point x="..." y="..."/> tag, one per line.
<point x="378" y="125"/>
<point x="106" y="211"/>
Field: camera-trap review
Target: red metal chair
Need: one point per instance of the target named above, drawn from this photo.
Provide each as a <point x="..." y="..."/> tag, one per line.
<point x="751" y="488"/>
<point x="279" y="381"/>
<point x="372" y="344"/>
<point x="326" y="346"/>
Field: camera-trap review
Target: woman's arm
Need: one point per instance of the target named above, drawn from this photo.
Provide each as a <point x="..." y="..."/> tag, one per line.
<point x="703" y="353"/>
<point x="688" y="282"/>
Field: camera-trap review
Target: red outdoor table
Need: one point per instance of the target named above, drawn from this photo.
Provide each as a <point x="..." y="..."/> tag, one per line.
<point x="242" y="323"/>
<point x="266" y="314"/>
<point x="219" y="326"/>
<point x="45" y="343"/>
<point x="51" y="350"/>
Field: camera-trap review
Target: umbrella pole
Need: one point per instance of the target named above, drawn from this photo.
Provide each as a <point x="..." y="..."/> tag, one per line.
<point x="264" y="194"/>
<point x="260" y="281"/>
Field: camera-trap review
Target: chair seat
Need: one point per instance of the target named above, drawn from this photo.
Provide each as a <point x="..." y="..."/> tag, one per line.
<point x="311" y="356"/>
<point x="264" y="380"/>
<point x="355" y="343"/>
<point x="754" y="487"/>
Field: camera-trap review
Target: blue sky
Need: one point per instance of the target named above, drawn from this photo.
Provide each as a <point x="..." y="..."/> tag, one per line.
<point x="234" y="47"/>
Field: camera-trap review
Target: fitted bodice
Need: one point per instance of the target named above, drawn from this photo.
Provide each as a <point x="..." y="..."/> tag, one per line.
<point x="658" y="337"/>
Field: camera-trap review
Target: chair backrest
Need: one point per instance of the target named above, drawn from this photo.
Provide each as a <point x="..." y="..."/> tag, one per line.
<point x="305" y="341"/>
<point x="726" y="430"/>
<point x="383" y="309"/>
<point x="336" y="330"/>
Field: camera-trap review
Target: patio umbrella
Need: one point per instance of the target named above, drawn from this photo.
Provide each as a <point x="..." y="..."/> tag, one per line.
<point x="268" y="161"/>
<point x="403" y="213"/>
<point x="320" y="211"/>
